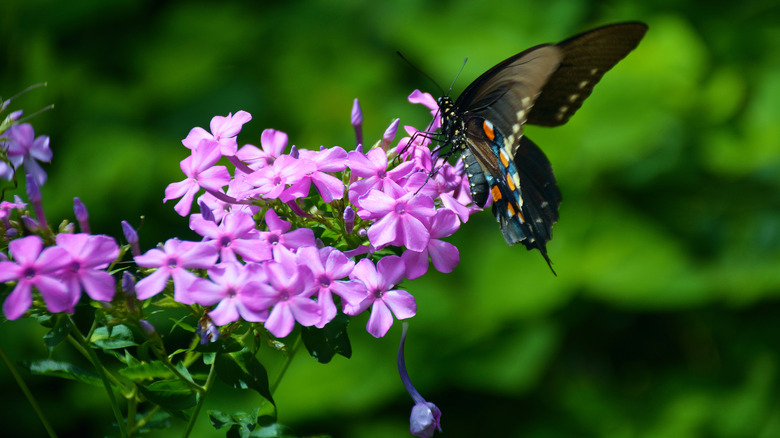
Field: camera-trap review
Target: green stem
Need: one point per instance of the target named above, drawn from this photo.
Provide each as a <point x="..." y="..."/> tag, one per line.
<point x="202" y="399"/>
<point x="142" y="422"/>
<point x="92" y="356"/>
<point x="84" y="352"/>
<point x="285" y="365"/>
<point x="28" y="394"/>
<point x="132" y="409"/>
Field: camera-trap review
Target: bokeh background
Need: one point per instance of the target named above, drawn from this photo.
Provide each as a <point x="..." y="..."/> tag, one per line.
<point x="662" y="321"/>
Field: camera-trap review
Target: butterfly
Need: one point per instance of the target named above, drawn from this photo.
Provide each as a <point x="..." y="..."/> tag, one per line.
<point x="544" y="85"/>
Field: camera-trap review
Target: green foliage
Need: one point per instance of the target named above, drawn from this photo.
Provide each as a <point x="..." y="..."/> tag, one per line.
<point x="661" y="320"/>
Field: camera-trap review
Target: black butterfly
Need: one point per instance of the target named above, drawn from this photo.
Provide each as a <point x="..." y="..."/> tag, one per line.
<point x="544" y="85"/>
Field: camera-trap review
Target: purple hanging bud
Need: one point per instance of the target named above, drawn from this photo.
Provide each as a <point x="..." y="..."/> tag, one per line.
<point x="34" y="195"/>
<point x="147" y="328"/>
<point x="14" y="116"/>
<point x="132" y="238"/>
<point x="349" y="219"/>
<point x="128" y="286"/>
<point x="81" y="214"/>
<point x="357" y="121"/>
<point x="294" y="152"/>
<point x="389" y="134"/>
<point x="207" y="331"/>
<point x="30" y="223"/>
<point x="206" y="212"/>
<point x="426" y="417"/>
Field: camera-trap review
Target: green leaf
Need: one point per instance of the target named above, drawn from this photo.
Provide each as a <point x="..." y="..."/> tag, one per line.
<point x="328" y="341"/>
<point x="172" y="395"/>
<point x="221" y="419"/>
<point x="146" y="371"/>
<point x="63" y="370"/>
<point x="57" y="333"/>
<point x="113" y="337"/>
<point x="241" y="370"/>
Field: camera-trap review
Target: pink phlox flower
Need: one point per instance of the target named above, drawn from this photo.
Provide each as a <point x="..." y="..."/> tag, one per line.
<point x="90" y="255"/>
<point x="23" y="147"/>
<point x="279" y="233"/>
<point x="289" y="291"/>
<point x="7" y="207"/>
<point x="236" y="287"/>
<point x="272" y="142"/>
<point x="444" y="255"/>
<point x="384" y="301"/>
<point x="219" y="208"/>
<point x="399" y="220"/>
<point x="200" y="173"/>
<point x="426" y="99"/>
<point x="235" y="235"/>
<point x="223" y="131"/>
<point x="415" y="147"/>
<point x="329" y="266"/>
<point x="35" y="267"/>
<point x="372" y="168"/>
<point x="270" y="181"/>
<point x="173" y="261"/>
<point x="328" y="160"/>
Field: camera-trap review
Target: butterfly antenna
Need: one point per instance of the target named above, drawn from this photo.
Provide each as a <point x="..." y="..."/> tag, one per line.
<point x="419" y="70"/>
<point x="456" y="76"/>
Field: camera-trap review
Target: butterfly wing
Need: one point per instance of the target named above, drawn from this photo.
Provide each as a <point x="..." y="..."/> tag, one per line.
<point x="586" y="57"/>
<point x="505" y="93"/>
<point x="523" y="189"/>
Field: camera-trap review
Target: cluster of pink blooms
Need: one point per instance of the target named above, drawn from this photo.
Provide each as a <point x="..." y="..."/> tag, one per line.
<point x="272" y="251"/>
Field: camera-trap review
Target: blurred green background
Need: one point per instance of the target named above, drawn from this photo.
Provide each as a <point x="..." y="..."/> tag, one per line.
<point x="662" y="319"/>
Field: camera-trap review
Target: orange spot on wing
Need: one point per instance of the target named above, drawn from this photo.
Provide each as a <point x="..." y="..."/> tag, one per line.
<point x="496" y="192"/>
<point x="503" y="157"/>
<point x="510" y="182"/>
<point x="488" y="129"/>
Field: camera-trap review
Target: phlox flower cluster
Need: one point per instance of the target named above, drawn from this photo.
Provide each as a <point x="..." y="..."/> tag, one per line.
<point x="286" y="231"/>
<point x="288" y="235"/>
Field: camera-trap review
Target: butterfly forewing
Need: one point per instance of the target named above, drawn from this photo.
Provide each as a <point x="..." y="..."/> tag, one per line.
<point x="505" y="93"/>
<point x="586" y="57"/>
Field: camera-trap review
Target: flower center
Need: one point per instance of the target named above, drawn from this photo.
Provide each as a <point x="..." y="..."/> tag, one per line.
<point x="324" y="282"/>
<point x="172" y="262"/>
<point x="231" y="292"/>
<point x="400" y="208"/>
<point x="29" y="272"/>
<point x="378" y="293"/>
<point x="224" y="241"/>
<point x="74" y="266"/>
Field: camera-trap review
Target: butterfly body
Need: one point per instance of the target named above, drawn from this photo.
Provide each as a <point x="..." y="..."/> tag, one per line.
<point x="543" y="85"/>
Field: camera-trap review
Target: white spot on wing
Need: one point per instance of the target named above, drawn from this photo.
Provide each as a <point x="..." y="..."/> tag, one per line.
<point x="583" y="84"/>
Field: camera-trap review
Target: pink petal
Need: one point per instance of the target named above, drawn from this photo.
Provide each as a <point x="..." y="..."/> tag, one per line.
<point x="18" y="301"/>
<point x="444" y="255"/>
<point x="380" y="320"/>
<point x="281" y="321"/>
<point x="401" y="302"/>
